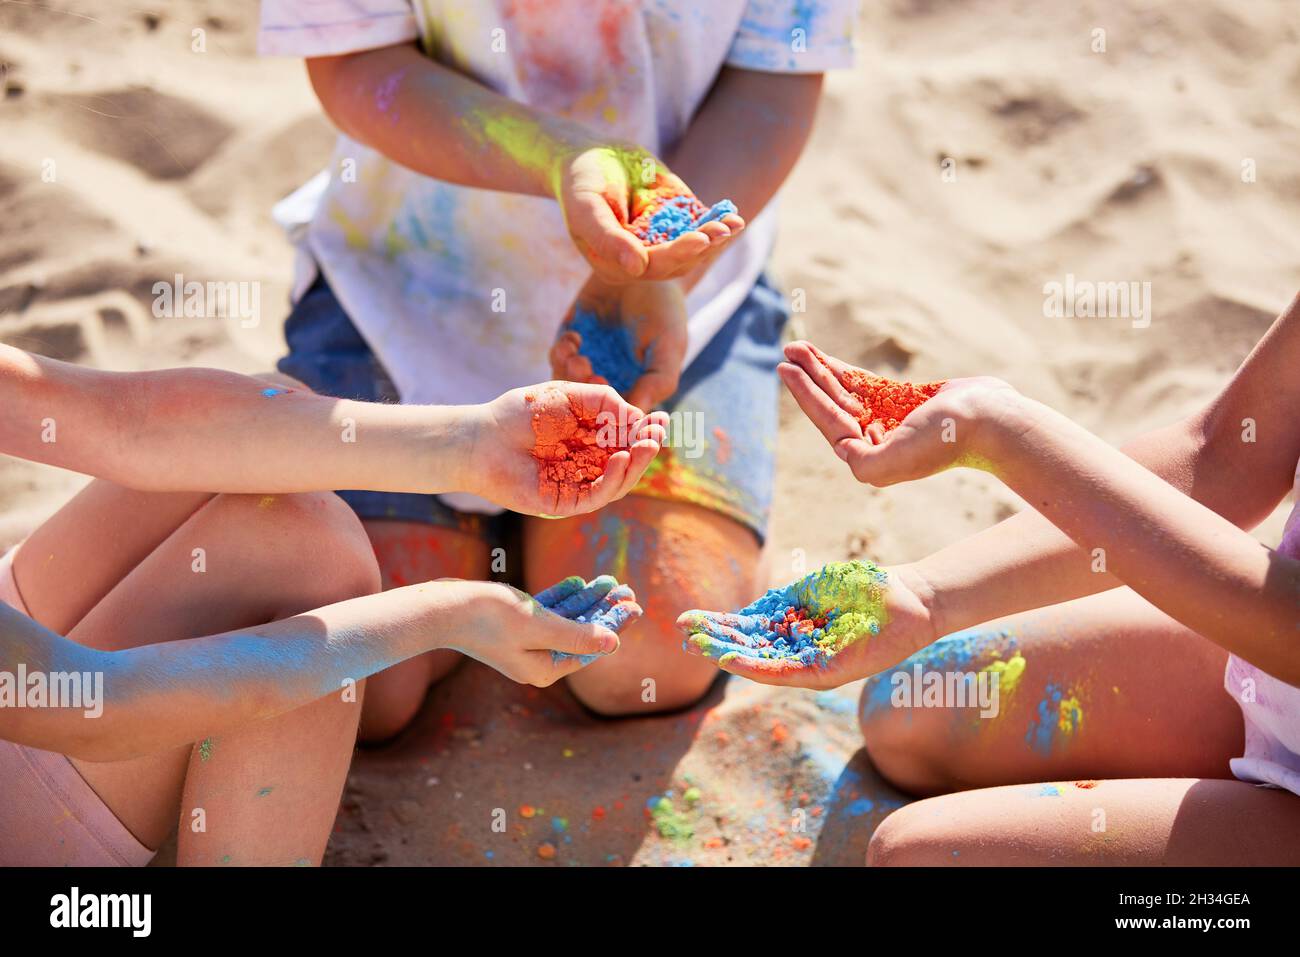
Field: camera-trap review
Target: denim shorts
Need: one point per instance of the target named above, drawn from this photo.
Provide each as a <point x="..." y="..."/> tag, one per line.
<point x="721" y="452"/>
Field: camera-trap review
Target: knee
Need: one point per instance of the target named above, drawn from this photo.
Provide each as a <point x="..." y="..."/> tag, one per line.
<point x="906" y="748"/>
<point x="902" y="840"/>
<point x="314" y="533"/>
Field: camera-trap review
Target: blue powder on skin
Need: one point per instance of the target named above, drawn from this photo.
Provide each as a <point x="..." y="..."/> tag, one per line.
<point x="610" y="350"/>
<point x="600" y="601"/>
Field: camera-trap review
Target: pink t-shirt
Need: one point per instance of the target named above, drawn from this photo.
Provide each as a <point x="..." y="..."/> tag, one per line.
<point x="1271" y="707"/>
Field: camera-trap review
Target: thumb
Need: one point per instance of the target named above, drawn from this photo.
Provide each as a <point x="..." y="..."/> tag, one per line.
<point x="572" y="637"/>
<point x="606" y="239"/>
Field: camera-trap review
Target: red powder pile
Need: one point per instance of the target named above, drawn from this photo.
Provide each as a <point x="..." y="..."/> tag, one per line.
<point x="798" y="621"/>
<point x="884" y="401"/>
<point x="566" y="447"/>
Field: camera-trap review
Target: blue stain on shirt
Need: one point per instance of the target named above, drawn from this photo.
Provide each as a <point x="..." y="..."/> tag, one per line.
<point x="610" y="350"/>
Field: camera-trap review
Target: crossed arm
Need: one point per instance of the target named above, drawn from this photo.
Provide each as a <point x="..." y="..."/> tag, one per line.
<point x="1169" y="515"/>
<point x="1027" y="562"/>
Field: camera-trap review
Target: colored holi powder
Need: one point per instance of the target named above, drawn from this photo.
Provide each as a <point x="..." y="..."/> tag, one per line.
<point x="664" y="211"/>
<point x="569" y="447"/>
<point x="263" y="792"/>
<point x="809" y="621"/>
<point x="670" y="822"/>
<point x="1086" y="785"/>
<point x="602" y="601"/>
<point x="723" y="453"/>
<point x="961" y="651"/>
<point x="609" y="348"/>
<point x="885" y="402"/>
<point x="206" y="748"/>
<point x="1008" y="672"/>
<point x="859" y="807"/>
<point x="1058" y="717"/>
<point x="386" y="95"/>
<point x="1049" y="790"/>
<point x="546" y="851"/>
<point x="272" y="393"/>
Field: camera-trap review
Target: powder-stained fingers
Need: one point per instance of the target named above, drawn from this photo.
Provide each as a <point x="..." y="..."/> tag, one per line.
<point x="576" y="639"/>
<point x="724" y="626"/>
<point x="772" y="671"/>
<point x="548" y="597"/>
<point x="615" y="610"/>
<point x="612" y="250"/>
<point x="827" y="373"/>
<point x="581" y="601"/>
<point x="619" y="616"/>
<point x="831" y="418"/>
<point x="677" y="256"/>
<point x="708" y="646"/>
<point x="609" y="486"/>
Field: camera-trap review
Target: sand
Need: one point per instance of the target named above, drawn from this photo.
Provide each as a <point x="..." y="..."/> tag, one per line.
<point x="1122" y="165"/>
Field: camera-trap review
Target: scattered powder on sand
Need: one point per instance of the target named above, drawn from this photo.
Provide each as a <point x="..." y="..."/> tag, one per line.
<point x="567" y="448"/>
<point x="884" y="401"/>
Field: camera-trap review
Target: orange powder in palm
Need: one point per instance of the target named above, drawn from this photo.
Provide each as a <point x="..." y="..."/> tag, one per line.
<point x="885" y="402"/>
<point x="566" y="446"/>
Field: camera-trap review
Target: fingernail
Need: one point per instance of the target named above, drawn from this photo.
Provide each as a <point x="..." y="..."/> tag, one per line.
<point x="608" y="643"/>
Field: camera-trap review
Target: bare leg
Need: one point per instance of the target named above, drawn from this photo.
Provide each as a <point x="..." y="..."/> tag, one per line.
<point x="1138" y="678"/>
<point x="261" y="558"/>
<point x="1148" y="821"/>
<point x="411" y="552"/>
<point x="675" y="556"/>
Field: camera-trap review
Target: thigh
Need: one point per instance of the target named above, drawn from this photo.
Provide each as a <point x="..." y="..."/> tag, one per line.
<point x="676" y="557"/>
<point x="1142" y="822"/>
<point x="252" y="570"/>
<point x="1106" y="686"/>
<point x="83" y="550"/>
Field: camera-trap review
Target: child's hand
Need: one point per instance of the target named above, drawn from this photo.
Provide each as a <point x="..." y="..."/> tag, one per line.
<point x="631" y="336"/>
<point x="539" y="640"/>
<point x="844" y="622"/>
<point x="603" y="189"/>
<point x="599" y="448"/>
<point x="939" y="424"/>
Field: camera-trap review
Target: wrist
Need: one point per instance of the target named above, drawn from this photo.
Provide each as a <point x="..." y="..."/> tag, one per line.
<point x="914" y="581"/>
<point x="999" y="419"/>
<point x="456" y="457"/>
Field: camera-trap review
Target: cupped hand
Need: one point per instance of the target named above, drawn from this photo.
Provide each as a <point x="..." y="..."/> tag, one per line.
<point x="503" y="460"/>
<point x="602" y="189"/>
<point x="941" y="432"/>
<point x="539" y="640"/>
<point x="639" y="339"/>
<point x="839" y="644"/>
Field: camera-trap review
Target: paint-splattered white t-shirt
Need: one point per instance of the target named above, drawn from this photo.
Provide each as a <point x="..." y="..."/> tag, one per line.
<point x="419" y="264"/>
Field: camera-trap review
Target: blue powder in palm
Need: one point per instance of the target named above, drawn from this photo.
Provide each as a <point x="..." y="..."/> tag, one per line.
<point x="677" y="215"/>
<point x="609" y="349"/>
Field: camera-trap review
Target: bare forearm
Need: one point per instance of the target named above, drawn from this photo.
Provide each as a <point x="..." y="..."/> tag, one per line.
<point x="746" y="138"/>
<point x="160" y="696"/>
<point x="1027" y="562"/>
<point x="1184" y="558"/>
<point x="443" y="124"/>
<point x="206" y="430"/>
